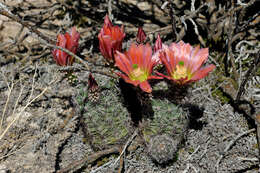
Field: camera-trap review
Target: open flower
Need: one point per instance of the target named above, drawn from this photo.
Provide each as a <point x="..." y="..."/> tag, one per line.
<point x="183" y="63"/>
<point x="68" y="41"/>
<point x="110" y="39"/>
<point x="137" y="65"/>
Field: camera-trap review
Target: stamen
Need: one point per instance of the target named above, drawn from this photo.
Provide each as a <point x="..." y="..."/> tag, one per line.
<point x="180" y="72"/>
<point x="138" y="74"/>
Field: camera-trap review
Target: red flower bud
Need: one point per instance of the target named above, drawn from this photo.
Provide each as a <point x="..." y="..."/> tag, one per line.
<point x="107" y="22"/>
<point x="158" y="47"/>
<point x="68" y="41"/>
<point x="110" y="39"/>
<point x="141" y="36"/>
<point x="93" y="89"/>
<point x="72" y="40"/>
<point x="92" y="83"/>
<point x="158" y="43"/>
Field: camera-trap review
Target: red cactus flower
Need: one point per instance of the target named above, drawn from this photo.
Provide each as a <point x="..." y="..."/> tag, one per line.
<point x="68" y="41"/>
<point x="183" y="63"/>
<point x="110" y="39"/>
<point x="141" y="36"/>
<point x="137" y="66"/>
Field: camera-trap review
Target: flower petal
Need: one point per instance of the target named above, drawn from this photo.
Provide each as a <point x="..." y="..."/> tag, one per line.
<point x="155" y="77"/>
<point x="123" y="63"/>
<point x="200" y="57"/>
<point x="155" y="58"/>
<point x="60" y="56"/>
<point x="167" y="77"/>
<point x="168" y="59"/>
<point x="72" y="40"/>
<point x="107" y="21"/>
<point x="202" y="72"/>
<point x="105" y="46"/>
<point x="145" y="86"/>
<point x="135" y="54"/>
<point x="147" y="58"/>
<point x="127" y="79"/>
<point x="158" y="43"/>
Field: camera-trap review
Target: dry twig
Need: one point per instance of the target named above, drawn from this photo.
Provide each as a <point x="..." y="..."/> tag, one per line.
<point x="47" y="41"/>
<point x="123" y="151"/>
<point x="29" y="102"/>
<point x="231" y="143"/>
<point x="90" y="159"/>
<point x="7" y="13"/>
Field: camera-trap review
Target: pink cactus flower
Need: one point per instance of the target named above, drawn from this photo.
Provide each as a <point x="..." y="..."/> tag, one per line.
<point x="68" y="41"/>
<point x="110" y="39"/>
<point x="184" y="63"/>
<point x="137" y="66"/>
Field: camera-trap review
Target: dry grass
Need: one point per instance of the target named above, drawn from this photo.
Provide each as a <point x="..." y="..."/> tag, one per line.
<point x="16" y="114"/>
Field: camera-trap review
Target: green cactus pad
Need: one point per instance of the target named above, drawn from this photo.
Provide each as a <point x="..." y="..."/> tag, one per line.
<point x="165" y="131"/>
<point x="107" y="119"/>
<point x="168" y="119"/>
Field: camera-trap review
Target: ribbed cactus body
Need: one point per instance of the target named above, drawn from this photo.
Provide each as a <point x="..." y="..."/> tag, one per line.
<point x="106" y="119"/>
<point x="168" y="119"/>
<point x="110" y="121"/>
<point x="165" y="131"/>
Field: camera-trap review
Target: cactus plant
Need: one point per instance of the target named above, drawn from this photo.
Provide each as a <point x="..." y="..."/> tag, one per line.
<point x="107" y="119"/>
<point x="162" y="148"/>
<point x="165" y="131"/>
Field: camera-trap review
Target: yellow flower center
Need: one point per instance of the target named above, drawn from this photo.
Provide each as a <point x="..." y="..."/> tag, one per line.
<point x="181" y="72"/>
<point x="138" y="74"/>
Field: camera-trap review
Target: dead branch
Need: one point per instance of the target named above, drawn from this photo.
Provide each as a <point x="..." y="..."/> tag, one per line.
<point x="231" y="143"/>
<point x="90" y="159"/>
<point x="8" y="14"/>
